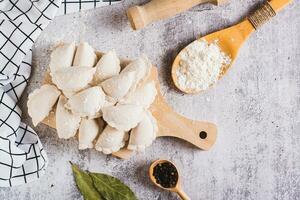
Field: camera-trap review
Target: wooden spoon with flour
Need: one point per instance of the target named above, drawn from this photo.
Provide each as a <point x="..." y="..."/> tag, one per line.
<point x="229" y="41"/>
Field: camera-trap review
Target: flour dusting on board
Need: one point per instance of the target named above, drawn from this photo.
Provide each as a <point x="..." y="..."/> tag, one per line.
<point x="200" y="65"/>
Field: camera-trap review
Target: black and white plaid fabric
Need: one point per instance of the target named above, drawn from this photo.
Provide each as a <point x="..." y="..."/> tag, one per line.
<point x="22" y="157"/>
<point x="69" y="6"/>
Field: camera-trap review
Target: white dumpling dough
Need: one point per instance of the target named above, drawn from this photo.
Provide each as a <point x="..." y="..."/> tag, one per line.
<point x="85" y="55"/>
<point x="111" y="140"/>
<point x="107" y="103"/>
<point x="143" y="95"/>
<point x="88" y="131"/>
<point x="142" y="69"/>
<point x="87" y="103"/>
<point x="118" y="86"/>
<point x="62" y="56"/>
<point x="67" y="123"/>
<point x="68" y="94"/>
<point x="41" y="101"/>
<point x="144" y="134"/>
<point x="73" y="79"/>
<point x="123" y="117"/>
<point x="107" y="67"/>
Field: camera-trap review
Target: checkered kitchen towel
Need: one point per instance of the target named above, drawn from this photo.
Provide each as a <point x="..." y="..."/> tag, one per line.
<point x="22" y="157"/>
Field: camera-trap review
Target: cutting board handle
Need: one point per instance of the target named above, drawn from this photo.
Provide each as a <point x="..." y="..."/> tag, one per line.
<point x="171" y="124"/>
<point x="140" y="16"/>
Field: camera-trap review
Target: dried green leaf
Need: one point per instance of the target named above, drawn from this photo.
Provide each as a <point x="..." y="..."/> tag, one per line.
<point x="111" y="188"/>
<point x="85" y="184"/>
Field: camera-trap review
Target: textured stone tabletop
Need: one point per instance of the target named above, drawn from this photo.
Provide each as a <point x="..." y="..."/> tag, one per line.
<point x="256" y="107"/>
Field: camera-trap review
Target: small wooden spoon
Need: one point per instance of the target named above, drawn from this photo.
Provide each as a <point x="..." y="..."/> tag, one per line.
<point x="177" y="188"/>
<point x="141" y="16"/>
<point x="231" y="39"/>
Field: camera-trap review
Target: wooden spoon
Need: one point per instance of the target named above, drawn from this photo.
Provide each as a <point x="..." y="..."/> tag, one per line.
<point x="141" y="16"/>
<point x="201" y="134"/>
<point x="177" y="188"/>
<point x="231" y="39"/>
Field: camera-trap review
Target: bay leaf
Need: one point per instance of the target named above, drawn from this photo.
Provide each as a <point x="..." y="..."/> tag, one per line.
<point x="111" y="188"/>
<point x="85" y="184"/>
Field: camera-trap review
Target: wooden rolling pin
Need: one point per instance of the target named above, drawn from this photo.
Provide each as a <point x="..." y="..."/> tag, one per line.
<point x="141" y="16"/>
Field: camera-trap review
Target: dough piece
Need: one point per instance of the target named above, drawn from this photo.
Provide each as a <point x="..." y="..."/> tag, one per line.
<point x="85" y="55"/>
<point x="107" y="67"/>
<point x="88" y="131"/>
<point x="68" y="94"/>
<point x="87" y="103"/>
<point x="144" y="134"/>
<point x="62" y="56"/>
<point x="110" y="101"/>
<point x="107" y="103"/>
<point x="41" y="101"/>
<point x="73" y="79"/>
<point x="143" y="96"/>
<point x="118" y="86"/>
<point x="142" y="69"/>
<point x="123" y="117"/>
<point x="67" y="123"/>
<point x="111" y="140"/>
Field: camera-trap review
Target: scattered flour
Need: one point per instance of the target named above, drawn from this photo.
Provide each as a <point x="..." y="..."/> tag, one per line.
<point x="200" y="65"/>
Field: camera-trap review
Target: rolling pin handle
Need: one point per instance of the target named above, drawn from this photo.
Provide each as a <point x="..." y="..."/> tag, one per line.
<point x="140" y="16"/>
<point x="137" y="18"/>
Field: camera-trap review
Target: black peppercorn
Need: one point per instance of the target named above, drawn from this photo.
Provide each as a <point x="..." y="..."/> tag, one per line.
<point x="166" y="175"/>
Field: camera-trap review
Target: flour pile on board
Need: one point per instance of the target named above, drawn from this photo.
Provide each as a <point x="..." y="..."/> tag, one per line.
<point x="200" y="65"/>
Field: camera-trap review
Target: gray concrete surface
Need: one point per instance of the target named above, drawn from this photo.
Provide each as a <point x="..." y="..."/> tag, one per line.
<point x="256" y="107"/>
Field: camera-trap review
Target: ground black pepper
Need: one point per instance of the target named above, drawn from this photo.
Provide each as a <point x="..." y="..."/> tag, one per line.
<point x="166" y="175"/>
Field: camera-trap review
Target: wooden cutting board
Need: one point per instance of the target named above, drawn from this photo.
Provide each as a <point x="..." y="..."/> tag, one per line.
<point x="170" y="124"/>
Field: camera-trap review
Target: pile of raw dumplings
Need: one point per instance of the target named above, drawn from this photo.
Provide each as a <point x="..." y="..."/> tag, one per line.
<point x="96" y="99"/>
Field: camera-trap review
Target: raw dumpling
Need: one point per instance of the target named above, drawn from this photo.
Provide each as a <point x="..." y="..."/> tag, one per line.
<point x="67" y="123"/>
<point x="85" y="55"/>
<point x="118" y="86"/>
<point x="107" y="67"/>
<point x="41" y="101"/>
<point x="123" y="117"/>
<point x="143" y="96"/>
<point x="143" y="135"/>
<point x="110" y="101"/>
<point x="107" y="103"/>
<point x="88" y="131"/>
<point x="68" y="94"/>
<point x="111" y="140"/>
<point x="73" y="79"/>
<point x="62" y="56"/>
<point x="87" y="103"/>
<point x="142" y="69"/>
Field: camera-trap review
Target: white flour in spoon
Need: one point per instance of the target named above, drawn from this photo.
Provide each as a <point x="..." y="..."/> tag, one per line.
<point x="200" y="65"/>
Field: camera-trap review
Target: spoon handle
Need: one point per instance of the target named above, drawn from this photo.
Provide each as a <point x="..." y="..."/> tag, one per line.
<point x="183" y="195"/>
<point x="140" y="16"/>
<point x="277" y="5"/>
<point x="266" y="11"/>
